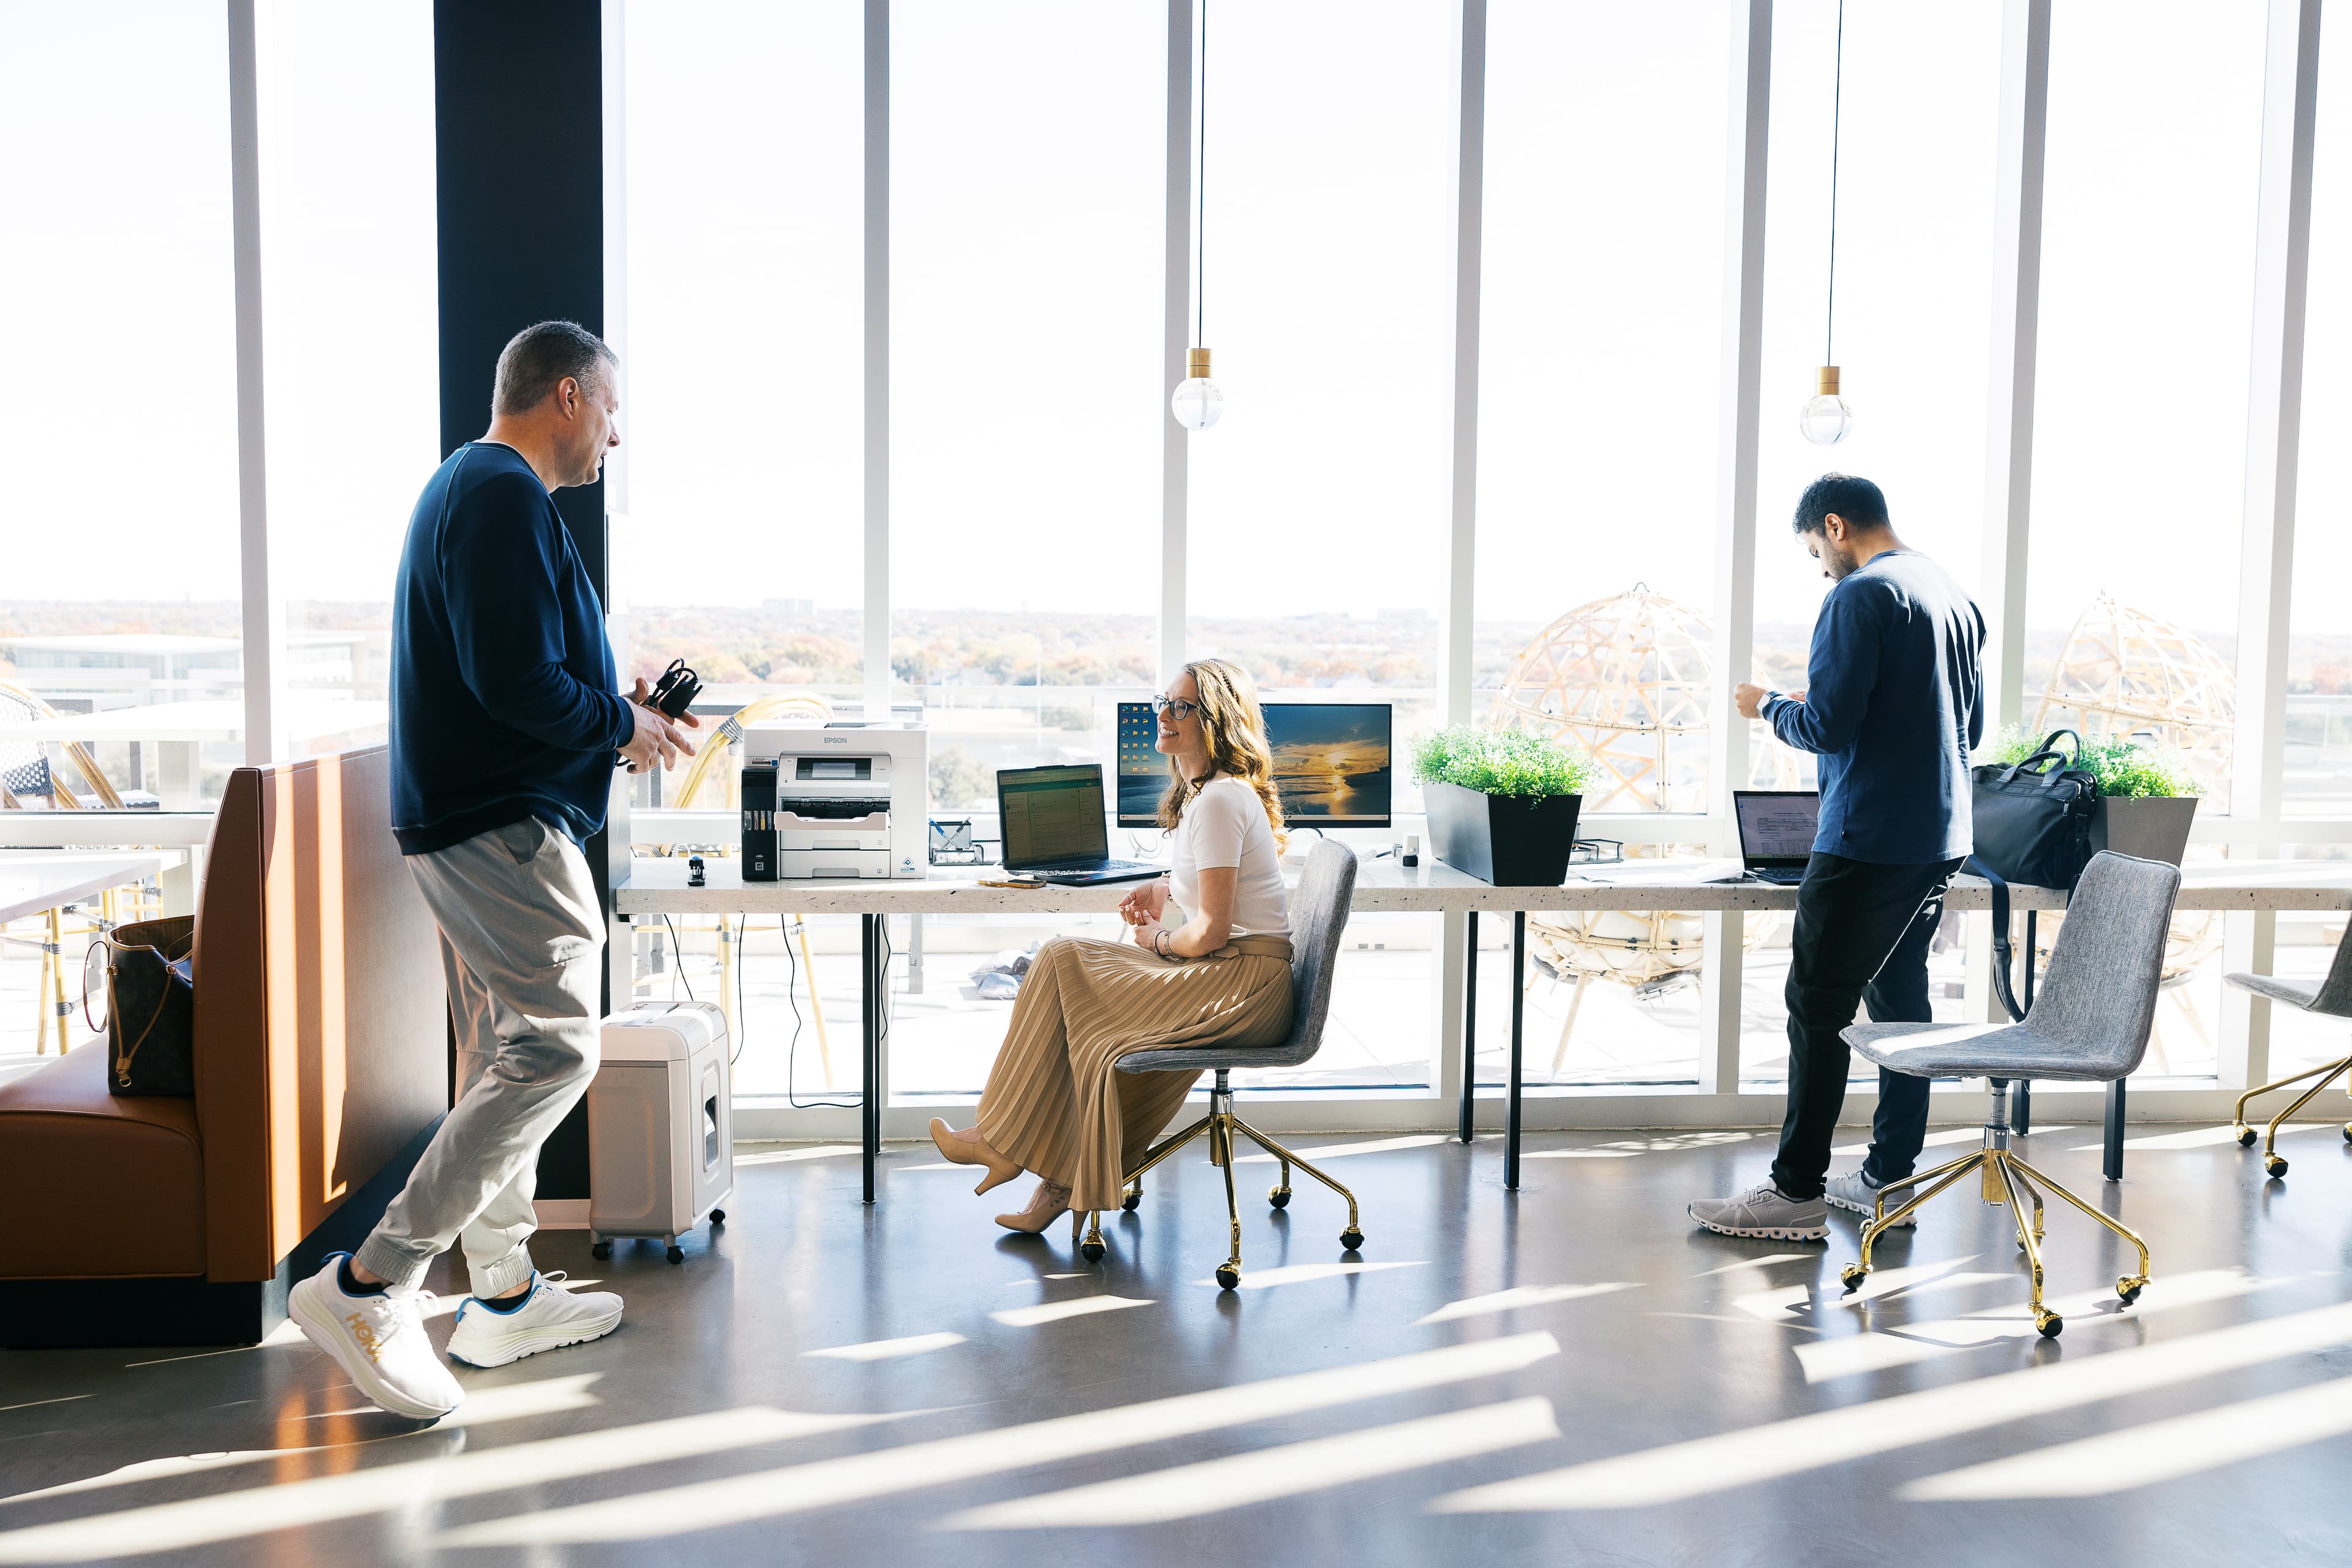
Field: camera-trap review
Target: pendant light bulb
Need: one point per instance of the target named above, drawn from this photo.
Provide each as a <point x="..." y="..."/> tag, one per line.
<point x="1826" y="420"/>
<point x="1197" y="404"/>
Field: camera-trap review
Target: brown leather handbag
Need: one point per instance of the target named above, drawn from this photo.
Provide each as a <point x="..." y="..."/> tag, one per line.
<point x="150" y="1007"/>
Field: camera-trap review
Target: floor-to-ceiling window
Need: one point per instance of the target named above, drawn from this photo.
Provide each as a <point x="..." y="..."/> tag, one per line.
<point x="1317" y="502"/>
<point x="120" y="596"/>
<point x="1600" y="389"/>
<point x="350" y="303"/>
<point x="1025" y="412"/>
<point x="2147" y="265"/>
<point x="1885" y="115"/>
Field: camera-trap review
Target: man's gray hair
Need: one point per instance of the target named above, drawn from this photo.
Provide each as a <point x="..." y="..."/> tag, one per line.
<point x="538" y="358"/>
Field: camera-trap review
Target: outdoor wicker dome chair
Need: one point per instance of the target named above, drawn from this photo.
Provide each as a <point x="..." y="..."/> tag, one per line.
<point x="2331" y="998"/>
<point x="1319" y="915"/>
<point x="2089" y="1022"/>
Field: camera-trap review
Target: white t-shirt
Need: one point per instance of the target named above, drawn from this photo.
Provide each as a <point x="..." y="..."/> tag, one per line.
<point x="1225" y="824"/>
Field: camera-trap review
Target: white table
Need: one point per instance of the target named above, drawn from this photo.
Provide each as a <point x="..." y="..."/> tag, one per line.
<point x="34" y="880"/>
<point x="37" y="881"/>
<point x="659" y="885"/>
<point x="178" y="729"/>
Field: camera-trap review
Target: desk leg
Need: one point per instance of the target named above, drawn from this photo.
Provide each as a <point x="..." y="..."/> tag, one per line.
<point x="1469" y="1022"/>
<point x="874" y="994"/>
<point x="2114" y="1164"/>
<point x="1518" y="1033"/>
<point x="2020" y="1121"/>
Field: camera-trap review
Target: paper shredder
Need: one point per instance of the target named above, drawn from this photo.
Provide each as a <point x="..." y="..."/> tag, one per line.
<point x="660" y="1137"/>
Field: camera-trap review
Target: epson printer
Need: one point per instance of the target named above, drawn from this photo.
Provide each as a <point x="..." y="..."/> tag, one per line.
<point x="840" y="800"/>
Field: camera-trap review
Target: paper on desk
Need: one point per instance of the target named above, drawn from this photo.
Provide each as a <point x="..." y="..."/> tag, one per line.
<point x="1655" y="873"/>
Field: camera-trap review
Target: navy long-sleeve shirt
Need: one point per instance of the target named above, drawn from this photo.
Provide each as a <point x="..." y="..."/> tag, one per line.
<point x="503" y="704"/>
<point x="1894" y="704"/>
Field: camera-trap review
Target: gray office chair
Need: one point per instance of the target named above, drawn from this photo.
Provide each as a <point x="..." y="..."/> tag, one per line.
<point x="1319" y="915"/>
<point x="2331" y="998"/>
<point x="2089" y="1021"/>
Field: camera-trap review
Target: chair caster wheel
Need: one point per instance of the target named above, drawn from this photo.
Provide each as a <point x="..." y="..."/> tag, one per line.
<point x="601" y="1251"/>
<point x="1353" y="1239"/>
<point x="1091" y="1251"/>
<point x="2245" y="1137"/>
<point x="2273" y="1166"/>
<point x="719" y="1216"/>
<point x="1279" y="1196"/>
<point x="1228" y="1276"/>
<point x="1851" y="1276"/>
<point x="2049" y="1323"/>
<point x="1131" y="1202"/>
<point x="675" y="1253"/>
<point x="2129" y="1287"/>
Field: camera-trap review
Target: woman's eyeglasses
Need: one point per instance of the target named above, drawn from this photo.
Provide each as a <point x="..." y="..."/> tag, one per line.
<point x="1182" y="709"/>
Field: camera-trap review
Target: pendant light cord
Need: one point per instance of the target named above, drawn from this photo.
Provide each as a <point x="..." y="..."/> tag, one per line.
<point x="1837" y="109"/>
<point x="1200" y="196"/>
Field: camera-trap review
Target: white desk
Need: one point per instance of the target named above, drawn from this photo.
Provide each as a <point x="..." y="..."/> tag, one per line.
<point x="659" y="885"/>
<point x="34" y="880"/>
<point x="178" y="729"/>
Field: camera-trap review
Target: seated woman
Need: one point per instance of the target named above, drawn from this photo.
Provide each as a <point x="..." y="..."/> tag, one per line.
<point x="1214" y="969"/>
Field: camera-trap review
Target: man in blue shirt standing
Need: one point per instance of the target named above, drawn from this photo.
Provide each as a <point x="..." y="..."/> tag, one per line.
<point x="1894" y="704"/>
<point x="505" y="729"/>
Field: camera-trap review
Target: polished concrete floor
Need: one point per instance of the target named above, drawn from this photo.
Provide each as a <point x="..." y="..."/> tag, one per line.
<point x="1570" y="1374"/>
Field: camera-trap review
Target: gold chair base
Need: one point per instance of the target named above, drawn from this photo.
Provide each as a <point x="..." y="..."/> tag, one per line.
<point x="2002" y="1173"/>
<point x="1220" y="1124"/>
<point x="2271" y="1163"/>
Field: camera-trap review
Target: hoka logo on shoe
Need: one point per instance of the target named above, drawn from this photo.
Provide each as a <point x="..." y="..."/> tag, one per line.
<point x="365" y="1335"/>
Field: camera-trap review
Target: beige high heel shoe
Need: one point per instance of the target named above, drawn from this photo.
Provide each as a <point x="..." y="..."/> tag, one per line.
<point x="1049" y="1203"/>
<point x="972" y="1149"/>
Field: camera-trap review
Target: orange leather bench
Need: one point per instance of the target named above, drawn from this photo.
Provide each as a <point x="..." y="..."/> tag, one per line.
<point x="322" y="1067"/>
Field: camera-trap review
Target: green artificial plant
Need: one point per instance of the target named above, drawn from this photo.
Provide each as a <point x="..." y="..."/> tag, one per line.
<point x="2125" y="768"/>
<point x="1514" y="763"/>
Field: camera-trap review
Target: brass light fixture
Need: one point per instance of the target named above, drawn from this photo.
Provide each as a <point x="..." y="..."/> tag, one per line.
<point x="1196" y="402"/>
<point x="1826" y="420"/>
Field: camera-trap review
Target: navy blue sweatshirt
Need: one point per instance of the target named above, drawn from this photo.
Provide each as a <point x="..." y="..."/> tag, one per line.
<point x="503" y="699"/>
<point x="1894" y="704"/>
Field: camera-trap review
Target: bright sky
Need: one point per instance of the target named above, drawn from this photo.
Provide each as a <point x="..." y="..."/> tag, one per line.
<point x="1027" y="400"/>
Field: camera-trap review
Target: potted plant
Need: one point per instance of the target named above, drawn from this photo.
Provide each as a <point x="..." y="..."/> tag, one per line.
<point x="2147" y="799"/>
<point x="1501" y="803"/>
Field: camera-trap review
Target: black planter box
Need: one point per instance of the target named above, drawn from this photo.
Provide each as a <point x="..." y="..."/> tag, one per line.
<point x="1510" y="841"/>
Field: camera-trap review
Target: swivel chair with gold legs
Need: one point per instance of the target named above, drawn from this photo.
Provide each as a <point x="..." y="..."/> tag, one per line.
<point x="1318" y="914"/>
<point x="2331" y="998"/>
<point x="2090" y="1022"/>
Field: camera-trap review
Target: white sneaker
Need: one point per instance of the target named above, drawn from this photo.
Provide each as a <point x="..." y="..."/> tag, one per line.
<point x="1762" y="1211"/>
<point x="1854" y="1190"/>
<point x="549" y="1319"/>
<point x="378" y="1340"/>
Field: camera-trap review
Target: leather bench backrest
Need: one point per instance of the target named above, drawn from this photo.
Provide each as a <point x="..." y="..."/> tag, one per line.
<point x="321" y="1025"/>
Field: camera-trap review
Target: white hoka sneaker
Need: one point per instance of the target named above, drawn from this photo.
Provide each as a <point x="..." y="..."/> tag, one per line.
<point x="378" y="1340"/>
<point x="1854" y="1190"/>
<point x="550" y="1317"/>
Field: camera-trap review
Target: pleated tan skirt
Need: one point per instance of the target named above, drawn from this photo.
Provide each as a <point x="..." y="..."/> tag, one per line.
<point x="1055" y="1101"/>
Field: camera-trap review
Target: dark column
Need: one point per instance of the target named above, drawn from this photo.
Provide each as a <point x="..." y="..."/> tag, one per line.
<point x="519" y="95"/>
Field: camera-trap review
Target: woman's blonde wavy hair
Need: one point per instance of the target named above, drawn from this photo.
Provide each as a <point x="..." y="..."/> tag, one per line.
<point x="1234" y="725"/>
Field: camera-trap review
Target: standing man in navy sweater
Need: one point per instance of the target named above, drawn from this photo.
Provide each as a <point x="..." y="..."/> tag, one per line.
<point x="1894" y="704"/>
<point x="505" y="728"/>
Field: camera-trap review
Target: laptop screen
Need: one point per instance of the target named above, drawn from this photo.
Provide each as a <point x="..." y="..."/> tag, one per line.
<point x="1053" y="815"/>
<point x="1777" y="827"/>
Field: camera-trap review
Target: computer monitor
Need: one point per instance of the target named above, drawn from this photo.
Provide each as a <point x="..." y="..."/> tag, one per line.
<point x="1331" y="762"/>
